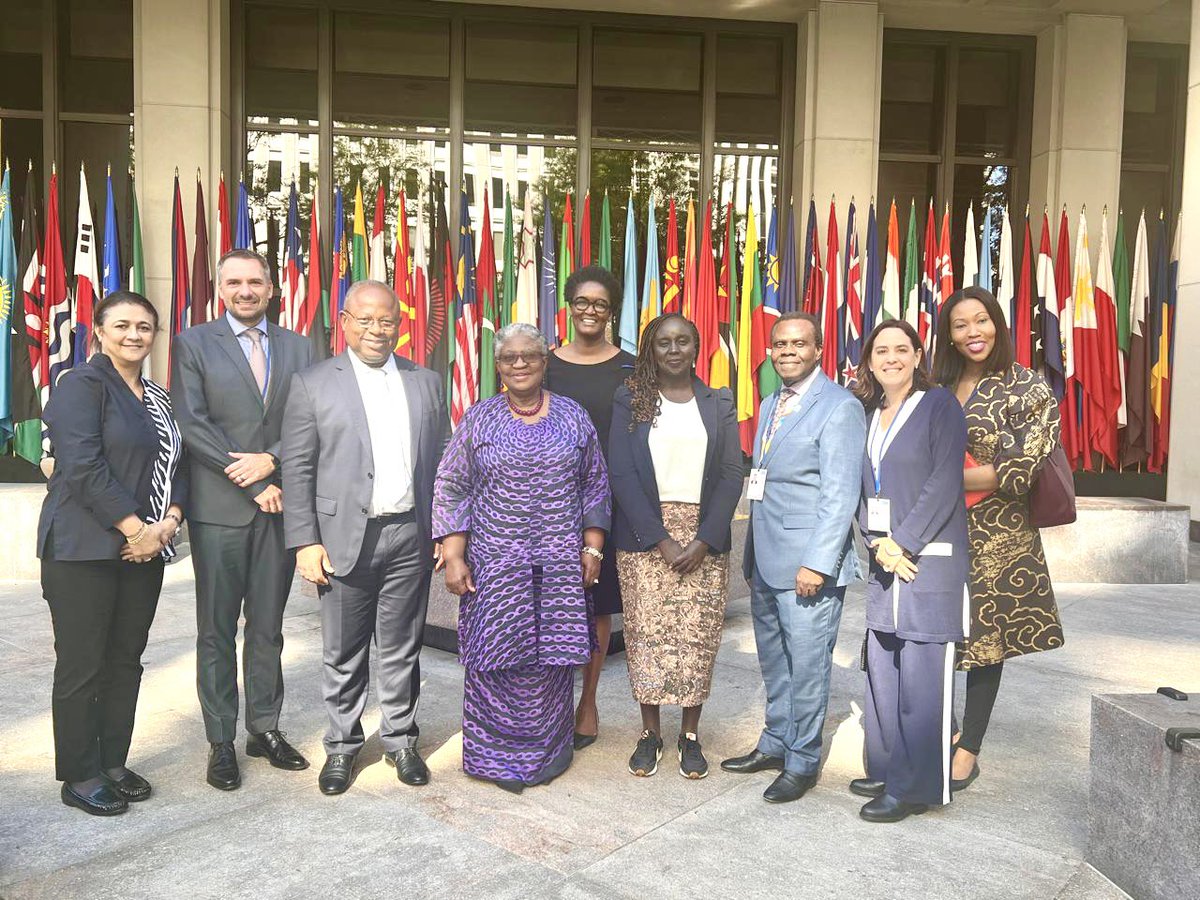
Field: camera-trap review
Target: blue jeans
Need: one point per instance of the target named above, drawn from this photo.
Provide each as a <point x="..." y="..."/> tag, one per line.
<point x="795" y="638"/>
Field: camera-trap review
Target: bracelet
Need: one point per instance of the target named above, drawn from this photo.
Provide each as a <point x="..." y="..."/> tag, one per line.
<point x="592" y="551"/>
<point x="137" y="538"/>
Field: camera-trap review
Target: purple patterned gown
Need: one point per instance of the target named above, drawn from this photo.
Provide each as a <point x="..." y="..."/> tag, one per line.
<point x="524" y="494"/>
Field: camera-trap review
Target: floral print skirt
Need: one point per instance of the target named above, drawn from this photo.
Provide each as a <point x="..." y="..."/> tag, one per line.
<point x="672" y="623"/>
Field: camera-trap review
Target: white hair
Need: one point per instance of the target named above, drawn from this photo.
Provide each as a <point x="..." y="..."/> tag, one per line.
<point x="521" y="329"/>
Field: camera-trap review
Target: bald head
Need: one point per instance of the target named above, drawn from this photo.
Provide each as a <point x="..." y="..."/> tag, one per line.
<point x="371" y="321"/>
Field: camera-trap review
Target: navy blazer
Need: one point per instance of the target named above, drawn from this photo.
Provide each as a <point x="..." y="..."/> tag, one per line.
<point x="105" y="447"/>
<point x="637" y="520"/>
<point x="922" y="475"/>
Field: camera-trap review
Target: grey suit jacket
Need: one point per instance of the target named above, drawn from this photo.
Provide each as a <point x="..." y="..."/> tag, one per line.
<point x="219" y="409"/>
<point x="328" y="466"/>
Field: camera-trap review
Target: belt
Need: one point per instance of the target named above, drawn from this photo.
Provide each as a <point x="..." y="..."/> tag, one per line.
<point x="394" y="518"/>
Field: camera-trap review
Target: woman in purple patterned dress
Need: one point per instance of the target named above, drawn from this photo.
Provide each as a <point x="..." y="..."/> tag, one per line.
<point x="521" y="506"/>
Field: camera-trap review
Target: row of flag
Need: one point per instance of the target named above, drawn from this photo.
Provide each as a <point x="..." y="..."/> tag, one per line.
<point x="1103" y="341"/>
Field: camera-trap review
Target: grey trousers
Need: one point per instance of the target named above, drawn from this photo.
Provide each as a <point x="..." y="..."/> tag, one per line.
<point x="240" y="570"/>
<point x="385" y="597"/>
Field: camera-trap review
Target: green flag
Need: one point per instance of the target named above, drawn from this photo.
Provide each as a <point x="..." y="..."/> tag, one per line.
<point x="359" y="264"/>
<point x="25" y="403"/>
<point x="137" y="265"/>
<point x="912" y="271"/>
<point x="604" y="253"/>
<point x="566" y="328"/>
<point x="508" y="280"/>
<point x="1122" y="281"/>
<point x="10" y="285"/>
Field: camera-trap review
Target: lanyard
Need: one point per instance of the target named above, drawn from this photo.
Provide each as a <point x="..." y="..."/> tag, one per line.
<point x="877" y="461"/>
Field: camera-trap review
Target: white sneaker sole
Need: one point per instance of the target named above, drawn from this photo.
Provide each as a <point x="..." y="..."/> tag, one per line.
<point x="657" y="757"/>
<point x="691" y="776"/>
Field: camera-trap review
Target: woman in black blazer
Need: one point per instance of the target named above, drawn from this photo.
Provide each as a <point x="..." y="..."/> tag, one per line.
<point x="675" y="467"/>
<point x="114" y="504"/>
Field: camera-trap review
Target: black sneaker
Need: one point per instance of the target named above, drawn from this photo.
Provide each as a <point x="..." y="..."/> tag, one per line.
<point x="692" y="763"/>
<point x="645" y="758"/>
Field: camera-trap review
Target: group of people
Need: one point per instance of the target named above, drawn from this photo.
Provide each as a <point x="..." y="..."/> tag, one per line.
<point x="596" y="483"/>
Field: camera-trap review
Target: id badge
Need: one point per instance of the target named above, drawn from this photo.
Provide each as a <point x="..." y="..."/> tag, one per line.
<point x="758" y="484"/>
<point x="879" y="515"/>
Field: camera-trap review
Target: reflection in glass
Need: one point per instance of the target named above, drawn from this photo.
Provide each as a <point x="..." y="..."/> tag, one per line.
<point x="747" y="181"/>
<point x="274" y="161"/>
<point x="748" y="88"/>
<point x="281" y="62"/>
<point x="21" y="57"/>
<point x="646" y="86"/>
<point x="550" y="171"/>
<point x="1151" y="106"/>
<point x="520" y="79"/>
<point x="985" y="186"/>
<point x="910" y="112"/>
<point x="988" y="90"/>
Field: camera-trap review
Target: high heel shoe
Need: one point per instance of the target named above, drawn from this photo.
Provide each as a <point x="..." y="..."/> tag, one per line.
<point x="961" y="784"/>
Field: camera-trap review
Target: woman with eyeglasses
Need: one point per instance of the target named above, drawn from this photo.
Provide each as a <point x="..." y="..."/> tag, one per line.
<point x="589" y="370"/>
<point x="521" y="505"/>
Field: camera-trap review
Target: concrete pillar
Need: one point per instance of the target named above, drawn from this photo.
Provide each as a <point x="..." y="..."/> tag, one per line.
<point x="1079" y="104"/>
<point x="181" y="120"/>
<point x="1183" y="462"/>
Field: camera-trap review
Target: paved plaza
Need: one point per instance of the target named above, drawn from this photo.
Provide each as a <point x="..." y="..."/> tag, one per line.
<point x="1019" y="832"/>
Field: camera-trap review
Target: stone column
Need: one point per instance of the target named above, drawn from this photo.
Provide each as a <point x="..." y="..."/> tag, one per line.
<point x="181" y="121"/>
<point x="1183" y="463"/>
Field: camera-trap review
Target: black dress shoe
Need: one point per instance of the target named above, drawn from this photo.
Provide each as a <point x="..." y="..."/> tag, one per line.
<point x="579" y="741"/>
<point x="886" y="808"/>
<point x="789" y="786"/>
<point x="867" y="787"/>
<point x="100" y="801"/>
<point x="132" y="786"/>
<point x="336" y="774"/>
<point x="410" y="768"/>
<point x="276" y="749"/>
<point x="223" y="773"/>
<point x="754" y="761"/>
<point x="961" y="784"/>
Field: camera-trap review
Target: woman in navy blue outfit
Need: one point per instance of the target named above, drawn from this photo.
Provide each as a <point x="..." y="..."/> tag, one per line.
<point x="914" y="519"/>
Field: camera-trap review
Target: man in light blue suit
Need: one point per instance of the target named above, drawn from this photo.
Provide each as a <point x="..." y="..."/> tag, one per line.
<point x="804" y="492"/>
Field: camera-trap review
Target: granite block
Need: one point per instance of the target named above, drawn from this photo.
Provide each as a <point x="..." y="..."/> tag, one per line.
<point x="1120" y="540"/>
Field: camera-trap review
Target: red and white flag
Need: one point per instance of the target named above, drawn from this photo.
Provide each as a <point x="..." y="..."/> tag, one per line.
<point x="1112" y="362"/>
<point x="377" y="270"/>
<point x="87" y="273"/>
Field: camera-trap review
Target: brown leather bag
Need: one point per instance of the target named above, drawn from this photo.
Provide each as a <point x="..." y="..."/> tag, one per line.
<point x="1052" y="499"/>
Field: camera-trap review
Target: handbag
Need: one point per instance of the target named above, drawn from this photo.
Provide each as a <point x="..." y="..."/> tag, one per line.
<point x="1052" y="499"/>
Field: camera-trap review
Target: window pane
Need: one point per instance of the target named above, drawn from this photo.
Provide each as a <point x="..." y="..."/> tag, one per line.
<point x="1151" y="104"/>
<point x="910" y="115"/>
<point x="646" y="86"/>
<point x="391" y="70"/>
<point x="21" y="55"/>
<point x="1147" y="191"/>
<point x="97" y="146"/>
<point x="748" y="89"/>
<point x="988" y="92"/>
<point x="274" y="161"/>
<point x="21" y="144"/>
<point x="281" y="62"/>
<point x="985" y="186"/>
<point x="550" y="171"/>
<point x="520" y="79"/>
<point x="745" y="181"/>
<point x="96" y="47"/>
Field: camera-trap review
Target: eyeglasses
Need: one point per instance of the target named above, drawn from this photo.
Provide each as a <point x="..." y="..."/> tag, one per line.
<point x="382" y="324"/>
<point x="529" y="357"/>
<point x="583" y="304"/>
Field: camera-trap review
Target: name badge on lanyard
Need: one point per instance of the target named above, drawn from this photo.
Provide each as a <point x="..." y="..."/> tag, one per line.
<point x="757" y="486"/>
<point x="879" y="509"/>
<point x="879" y="515"/>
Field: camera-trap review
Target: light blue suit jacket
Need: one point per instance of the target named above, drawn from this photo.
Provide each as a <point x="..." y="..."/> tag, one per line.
<point x="814" y="471"/>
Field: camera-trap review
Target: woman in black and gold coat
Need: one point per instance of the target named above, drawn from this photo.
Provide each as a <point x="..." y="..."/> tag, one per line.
<point x="1012" y="427"/>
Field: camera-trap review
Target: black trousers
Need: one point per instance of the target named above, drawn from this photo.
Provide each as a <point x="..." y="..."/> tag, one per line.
<point x="101" y="611"/>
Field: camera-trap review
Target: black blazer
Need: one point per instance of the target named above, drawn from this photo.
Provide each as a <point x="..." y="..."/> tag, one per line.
<point x="637" y="520"/>
<point x="105" y="446"/>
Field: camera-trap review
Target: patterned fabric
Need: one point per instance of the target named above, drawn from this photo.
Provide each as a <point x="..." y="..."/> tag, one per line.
<point x="170" y="448"/>
<point x="518" y="724"/>
<point x="1012" y="423"/>
<point x="782" y="407"/>
<point x="672" y="623"/>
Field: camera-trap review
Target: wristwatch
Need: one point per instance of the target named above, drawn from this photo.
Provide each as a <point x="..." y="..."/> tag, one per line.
<point x="275" y="460"/>
<point x="592" y="551"/>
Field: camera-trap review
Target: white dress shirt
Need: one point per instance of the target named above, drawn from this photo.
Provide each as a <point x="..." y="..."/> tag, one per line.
<point x="386" y="404"/>
<point x="678" y="442"/>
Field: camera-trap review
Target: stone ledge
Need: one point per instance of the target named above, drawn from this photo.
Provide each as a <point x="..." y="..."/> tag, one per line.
<point x="1120" y="540"/>
<point x="20" y="508"/>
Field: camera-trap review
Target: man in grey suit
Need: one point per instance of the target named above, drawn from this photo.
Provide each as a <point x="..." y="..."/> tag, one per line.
<point x="804" y="491"/>
<point x="363" y="435"/>
<point x="229" y="384"/>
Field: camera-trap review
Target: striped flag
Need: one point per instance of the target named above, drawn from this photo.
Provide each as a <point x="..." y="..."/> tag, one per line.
<point x="420" y="289"/>
<point x="688" y="274"/>
<point x="671" y="296"/>
<point x="485" y="280"/>
<point x="723" y="370"/>
<point x="651" y="299"/>
<point x="604" y="250"/>
<point x="203" y="301"/>
<point x="340" y="275"/>
<point x="137" y="261"/>
<point x="705" y="290"/>
<point x="292" y="287"/>
<point x="945" y="266"/>
<point x="225" y="237"/>
<point x="628" y="329"/>
<point x="27" y="380"/>
<point x="1167" y="272"/>
<point x="872" y="289"/>
<point x="466" y="320"/>
<point x="547" y="308"/>
<point x="10" y="279"/>
<point x="911" y="293"/>
<point x="893" y="299"/>
<point x="584" y="257"/>
<point x="181" y="289"/>
<point x="360" y="264"/>
<point x="1048" y="304"/>
<point x="766" y="314"/>
<point x="1022" y="318"/>
<point x="1112" y="368"/>
<point x="833" y="295"/>
<point x="564" y="326"/>
<point x="851" y="328"/>
<point x="751" y="299"/>
<point x="402" y="278"/>
<point x="377" y="258"/>
<point x="814" y="287"/>
<point x="1137" y="439"/>
<point x="87" y="277"/>
<point x="312" y="319"/>
<point x="1087" y="346"/>
<point x="1072" y="432"/>
<point x="970" y="273"/>
<point x="984" y="279"/>
<point x="508" y="276"/>
<point x="525" y="306"/>
<point x="789" y="289"/>
<point x="930" y="287"/>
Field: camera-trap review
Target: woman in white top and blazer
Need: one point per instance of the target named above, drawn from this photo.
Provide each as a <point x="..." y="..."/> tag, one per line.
<point x="675" y="466"/>
<point x="914" y="519"/>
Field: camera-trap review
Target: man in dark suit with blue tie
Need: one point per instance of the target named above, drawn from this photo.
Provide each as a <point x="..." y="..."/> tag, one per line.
<point x="229" y="384"/>
<point x="803" y="491"/>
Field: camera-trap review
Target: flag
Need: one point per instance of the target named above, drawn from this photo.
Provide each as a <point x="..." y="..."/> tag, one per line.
<point x="87" y="278"/>
<point x="466" y="319"/>
<point x="293" y="289"/>
<point x="872" y="288"/>
<point x="1137" y="439"/>
<point x="1047" y="295"/>
<point x="984" y="279"/>
<point x="180" y="283"/>
<point x="203" y="308"/>
<point x="420" y="288"/>
<point x="316" y="296"/>
<point x="525" y="307"/>
<point x="110" y="280"/>
<point x="789" y="289"/>
<point x="814" y="290"/>
<point x="628" y="330"/>
<point x="911" y="294"/>
<point x="747" y="393"/>
<point x="1122" y="285"/>
<point x="360" y="265"/>
<point x="1072" y="436"/>
<point x="604" y="251"/>
<point x="833" y="295"/>
<point x="689" y="263"/>
<point x="377" y="266"/>
<point x="508" y="277"/>
<point x="723" y="370"/>
<point x="970" y="273"/>
<point x="893" y="299"/>
<point x="1164" y="322"/>
<point x="547" y="318"/>
<point x="945" y="267"/>
<point x="705" y="291"/>
<point x="1112" y="370"/>
<point x="137" y="260"/>
<point x="10" y="286"/>
<point x="244" y="234"/>
<point x="440" y="326"/>
<point x="402" y="279"/>
<point x="226" y="241"/>
<point x="27" y="368"/>
<point x="485" y="285"/>
<point x="765" y="314"/>
<point x="851" y="324"/>
<point x="930" y="287"/>
<point x="562" y="313"/>
<point x="1005" y="278"/>
<point x="1087" y="348"/>
<point x="340" y="276"/>
<point x="1022" y="332"/>
<point x="56" y="300"/>
<point x="671" y="298"/>
<point x="651" y="299"/>
<point x="584" y="257"/>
